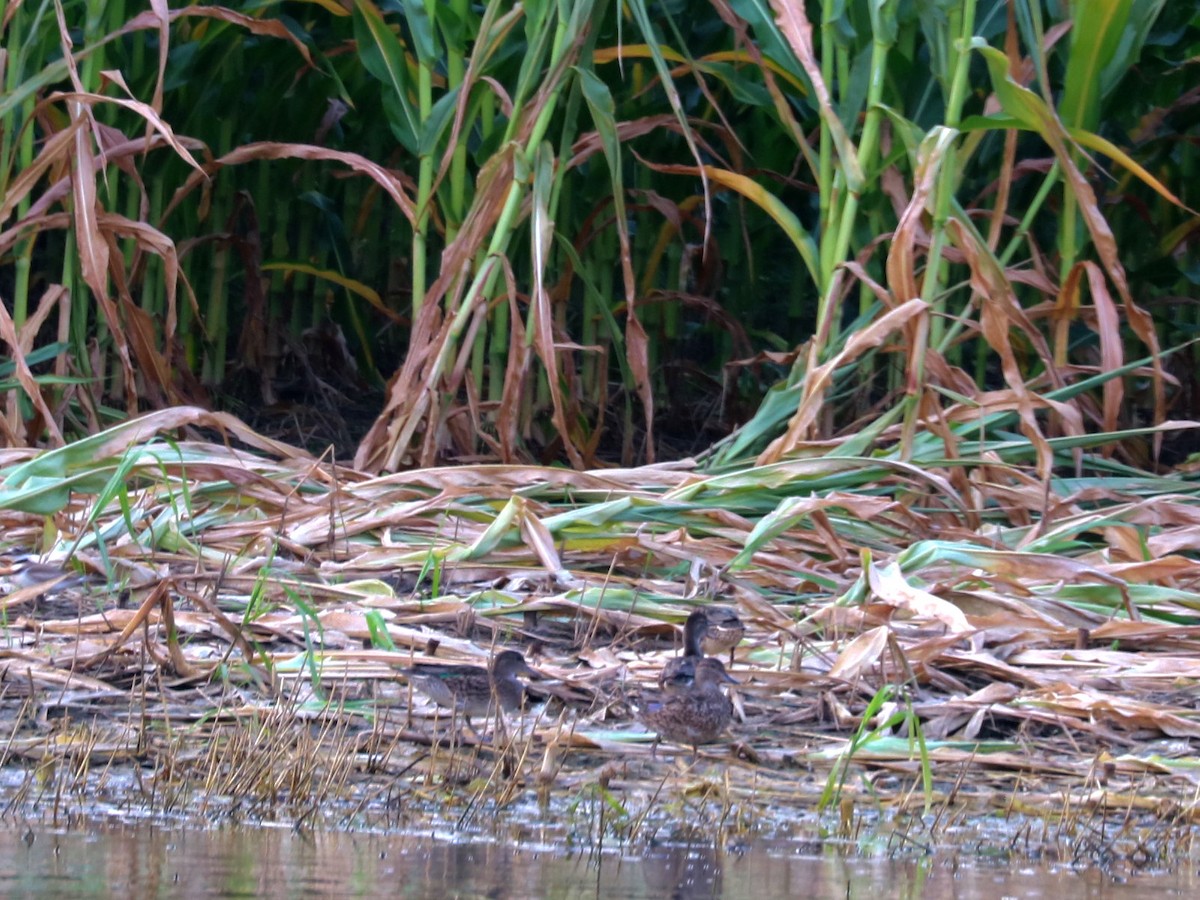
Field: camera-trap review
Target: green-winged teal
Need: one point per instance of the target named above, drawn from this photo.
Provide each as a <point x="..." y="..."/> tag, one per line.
<point x="691" y="714"/>
<point x="681" y="671"/>
<point x="28" y="571"/>
<point x="725" y="630"/>
<point x="474" y="690"/>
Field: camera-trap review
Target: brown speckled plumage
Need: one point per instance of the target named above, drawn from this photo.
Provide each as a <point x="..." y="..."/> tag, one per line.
<point x="691" y="714"/>
<point x="725" y="631"/>
<point x="473" y="690"/>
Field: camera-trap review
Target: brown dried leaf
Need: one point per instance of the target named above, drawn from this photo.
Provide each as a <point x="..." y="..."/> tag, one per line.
<point x="860" y="654"/>
<point x="889" y="585"/>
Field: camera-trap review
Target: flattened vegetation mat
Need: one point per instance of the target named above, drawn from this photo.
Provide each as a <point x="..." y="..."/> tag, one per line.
<point x="230" y="628"/>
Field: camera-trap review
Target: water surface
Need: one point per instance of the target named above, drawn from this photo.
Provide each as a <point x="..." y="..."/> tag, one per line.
<point x="148" y="861"/>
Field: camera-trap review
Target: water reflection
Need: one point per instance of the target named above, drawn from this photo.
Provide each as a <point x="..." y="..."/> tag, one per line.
<point x="683" y="871"/>
<point x="136" y="862"/>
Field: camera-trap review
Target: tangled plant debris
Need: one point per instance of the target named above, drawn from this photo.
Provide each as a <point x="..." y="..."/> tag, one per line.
<point x="224" y="630"/>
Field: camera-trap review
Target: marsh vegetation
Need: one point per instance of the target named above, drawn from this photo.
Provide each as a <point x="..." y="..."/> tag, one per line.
<point x="346" y="337"/>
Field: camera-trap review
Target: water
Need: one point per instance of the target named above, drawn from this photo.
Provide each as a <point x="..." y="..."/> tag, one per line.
<point x="146" y="861"/>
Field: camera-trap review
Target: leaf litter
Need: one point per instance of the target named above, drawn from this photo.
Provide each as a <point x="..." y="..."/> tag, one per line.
<point x="913" y="654"/>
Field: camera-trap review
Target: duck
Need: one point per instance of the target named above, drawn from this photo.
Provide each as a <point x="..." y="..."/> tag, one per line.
<point x="681" y="671"/>
<point x="725" y="631"/>
<point x="29" y="571"/>
<point x="692" y="714"/>
<point x="474" y="690"/>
